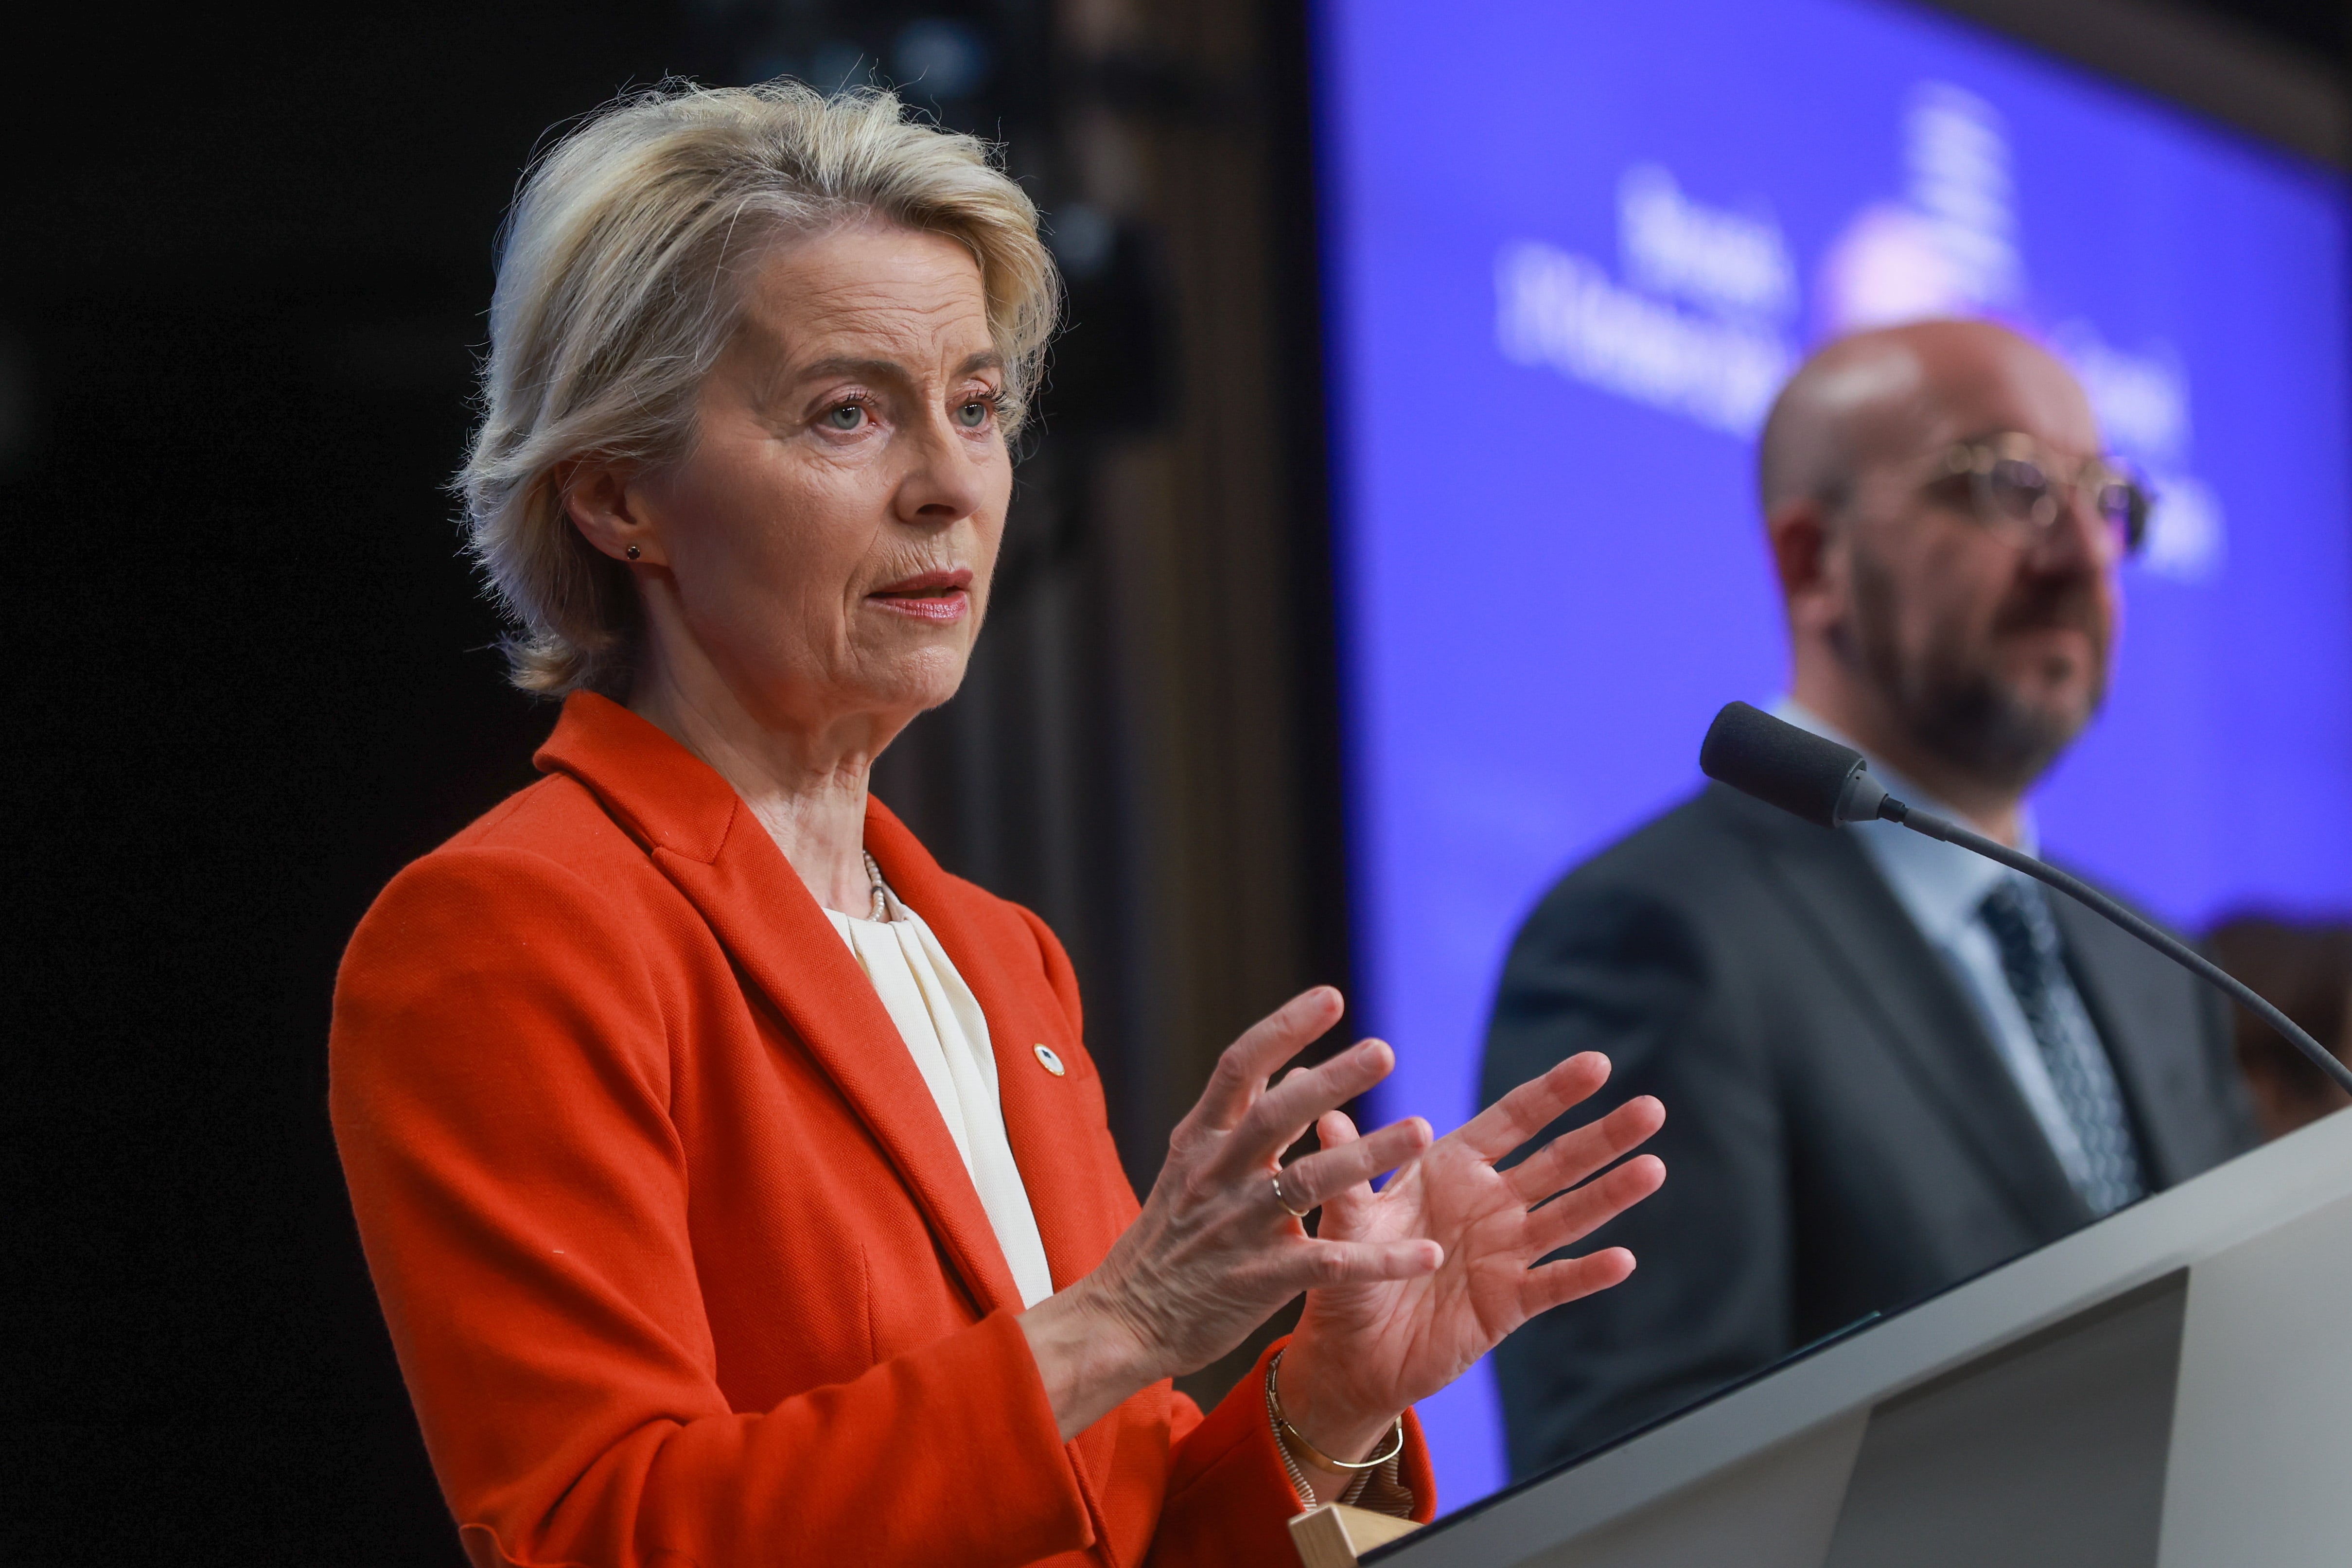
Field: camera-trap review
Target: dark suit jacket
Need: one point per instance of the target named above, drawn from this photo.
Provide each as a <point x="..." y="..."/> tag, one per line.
<point x="1841" y="1137"/>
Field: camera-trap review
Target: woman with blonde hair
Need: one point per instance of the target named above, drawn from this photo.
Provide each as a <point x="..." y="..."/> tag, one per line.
<point x="735" y="1181"/>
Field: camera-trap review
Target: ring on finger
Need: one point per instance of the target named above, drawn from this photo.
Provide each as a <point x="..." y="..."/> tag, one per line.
<point x="1283" y="1198"/>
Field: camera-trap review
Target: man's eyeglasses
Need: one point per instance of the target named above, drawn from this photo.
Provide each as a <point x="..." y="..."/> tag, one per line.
<point x="2017" y="485"/>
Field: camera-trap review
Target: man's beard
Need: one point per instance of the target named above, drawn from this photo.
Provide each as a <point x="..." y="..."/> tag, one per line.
<point x="1951" y="699"/>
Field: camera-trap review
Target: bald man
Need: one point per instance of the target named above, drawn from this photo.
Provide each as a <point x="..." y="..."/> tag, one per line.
<point x="1887" y="1065"/>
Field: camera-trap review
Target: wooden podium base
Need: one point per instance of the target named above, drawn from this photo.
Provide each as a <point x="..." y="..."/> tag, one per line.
<point x="1335" y="1535"/>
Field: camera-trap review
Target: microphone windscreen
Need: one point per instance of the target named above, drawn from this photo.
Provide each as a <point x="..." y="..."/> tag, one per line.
<point x="1777" y="763"/>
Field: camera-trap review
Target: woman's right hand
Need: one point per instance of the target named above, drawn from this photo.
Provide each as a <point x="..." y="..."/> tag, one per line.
<point x="1214" y="1252"/>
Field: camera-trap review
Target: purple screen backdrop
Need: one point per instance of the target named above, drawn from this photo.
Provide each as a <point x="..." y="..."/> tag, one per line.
<point x="1570" y="252"/>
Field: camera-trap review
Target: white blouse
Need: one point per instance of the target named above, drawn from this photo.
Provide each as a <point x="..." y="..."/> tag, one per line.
<point x="948" y="1037"/>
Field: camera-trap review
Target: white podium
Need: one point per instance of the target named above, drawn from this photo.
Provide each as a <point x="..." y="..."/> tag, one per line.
<point x="2169" y="1388"/>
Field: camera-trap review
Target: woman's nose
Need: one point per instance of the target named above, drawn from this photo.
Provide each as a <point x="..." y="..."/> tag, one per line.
<point x="941" y="482"/>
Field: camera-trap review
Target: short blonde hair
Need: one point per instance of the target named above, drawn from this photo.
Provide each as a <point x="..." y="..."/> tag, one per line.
<point x="618" y="287"/>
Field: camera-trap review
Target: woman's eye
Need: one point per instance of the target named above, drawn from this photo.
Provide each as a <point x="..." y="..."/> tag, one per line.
<point x="844" y="416"/>
<point x="974" y="415"/>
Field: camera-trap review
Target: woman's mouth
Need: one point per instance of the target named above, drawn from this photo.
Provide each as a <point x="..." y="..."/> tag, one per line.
<point x="928" y="596"/>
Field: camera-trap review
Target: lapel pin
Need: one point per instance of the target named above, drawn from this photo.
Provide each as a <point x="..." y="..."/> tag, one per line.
<point x="1048" y="1060"/>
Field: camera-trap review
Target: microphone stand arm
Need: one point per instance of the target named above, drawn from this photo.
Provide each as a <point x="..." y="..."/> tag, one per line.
<point x="1857" y="806"/>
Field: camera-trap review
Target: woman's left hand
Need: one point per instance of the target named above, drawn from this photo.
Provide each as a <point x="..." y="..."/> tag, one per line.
<point x="1363" y="1353"/>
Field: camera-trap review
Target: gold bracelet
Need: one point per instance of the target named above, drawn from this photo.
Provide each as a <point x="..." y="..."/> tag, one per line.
<point x="1314" y="1455"/>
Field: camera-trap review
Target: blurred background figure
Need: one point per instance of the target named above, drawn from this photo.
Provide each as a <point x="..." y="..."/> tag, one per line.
<point x="1552" y="586"/>
<point x="1888" y="1064"/>
<point x="2305" y="968"/>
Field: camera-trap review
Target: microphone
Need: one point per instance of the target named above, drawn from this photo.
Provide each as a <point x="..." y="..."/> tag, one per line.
<point x="1814" y="777"/>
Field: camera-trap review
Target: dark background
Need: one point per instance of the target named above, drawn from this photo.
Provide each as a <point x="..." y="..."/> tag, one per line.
<point x="248" y="254"/>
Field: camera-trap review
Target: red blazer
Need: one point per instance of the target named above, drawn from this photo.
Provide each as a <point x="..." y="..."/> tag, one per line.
<point x="681" y="1265"/>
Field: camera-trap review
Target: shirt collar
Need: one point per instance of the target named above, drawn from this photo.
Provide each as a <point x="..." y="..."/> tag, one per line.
<point x="1939" y="885"/>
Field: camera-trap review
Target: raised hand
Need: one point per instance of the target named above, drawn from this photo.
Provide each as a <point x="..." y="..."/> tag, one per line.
<point x="1366" y="1348"/>
<point x="1214" y="1252"/>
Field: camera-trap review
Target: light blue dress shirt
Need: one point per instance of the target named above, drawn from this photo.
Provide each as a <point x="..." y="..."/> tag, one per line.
<point x="1942" y="886"/>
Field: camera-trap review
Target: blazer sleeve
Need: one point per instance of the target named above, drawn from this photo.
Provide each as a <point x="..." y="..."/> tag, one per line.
<point x="1621" y="972"/>
<point x="499" y="1089"/>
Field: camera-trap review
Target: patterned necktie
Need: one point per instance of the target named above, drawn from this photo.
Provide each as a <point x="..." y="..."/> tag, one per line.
<point x="2020" y="921"/>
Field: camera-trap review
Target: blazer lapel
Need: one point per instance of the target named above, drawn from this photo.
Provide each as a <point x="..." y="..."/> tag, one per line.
<point x="1078" y="1191"/>
<point x="1928" y="1022"/>
<point x="1080" y="1207"/>
<point x="705" y="840"/>
<point x="714" y="851"/>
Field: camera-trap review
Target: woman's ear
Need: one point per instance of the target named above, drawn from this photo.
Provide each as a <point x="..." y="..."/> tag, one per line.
<point x="606" y="504"/>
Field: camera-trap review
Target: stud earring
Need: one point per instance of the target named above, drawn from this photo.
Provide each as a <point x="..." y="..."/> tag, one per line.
<point x="631" y="552"/>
